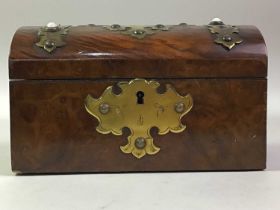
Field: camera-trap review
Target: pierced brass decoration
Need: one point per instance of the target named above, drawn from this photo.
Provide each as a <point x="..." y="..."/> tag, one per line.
<point x="226" y="35"/>
<point x="138" y="32"/>
<point x="139" y="107"/>
<point x="51" y="37"/>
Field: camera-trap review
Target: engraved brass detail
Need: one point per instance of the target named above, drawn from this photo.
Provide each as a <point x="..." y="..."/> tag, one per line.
<point x="163" y="111"/>
<point x="226" y="35"/>
<point x="51" y="37"/>
<point x="138" y="32"/>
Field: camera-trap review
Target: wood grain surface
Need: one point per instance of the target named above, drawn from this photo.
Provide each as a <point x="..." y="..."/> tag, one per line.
<point x="51" y="132"/>
<point x="93" y="52"/>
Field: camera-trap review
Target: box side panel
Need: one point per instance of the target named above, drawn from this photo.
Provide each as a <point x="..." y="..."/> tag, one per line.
<point x="51" y="132"/>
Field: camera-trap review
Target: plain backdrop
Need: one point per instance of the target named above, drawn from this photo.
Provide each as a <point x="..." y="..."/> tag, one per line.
<point x="227" y="190"/>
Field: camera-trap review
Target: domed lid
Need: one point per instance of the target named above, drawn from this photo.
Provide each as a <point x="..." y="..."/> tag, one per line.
<point x="160" y="51"/>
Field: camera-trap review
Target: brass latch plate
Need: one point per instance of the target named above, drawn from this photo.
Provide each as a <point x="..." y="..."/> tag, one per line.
<point x="139" y="107"/>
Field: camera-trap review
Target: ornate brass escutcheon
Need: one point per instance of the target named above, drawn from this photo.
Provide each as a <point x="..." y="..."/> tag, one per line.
<point x="139" y="107"/>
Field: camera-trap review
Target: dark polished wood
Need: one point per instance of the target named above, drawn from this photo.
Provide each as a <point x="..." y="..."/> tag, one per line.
<point x="94" y="52"/>
<point x="53" y="133"/>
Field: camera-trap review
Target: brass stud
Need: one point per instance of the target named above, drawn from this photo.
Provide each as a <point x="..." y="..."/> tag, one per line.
<point x="227" y="38"/>
<point x="49" y="43"/>
<point x="216" y="21"/>
<point x="140" y="143"/>
<point x="138" y="32"/>
<point x="104" y="108"/>
<point x="51" y="26"/>
<point x="180" y="107"/>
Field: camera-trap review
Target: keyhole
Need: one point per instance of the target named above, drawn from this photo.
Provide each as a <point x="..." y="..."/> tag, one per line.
<point x="140" y="97"/>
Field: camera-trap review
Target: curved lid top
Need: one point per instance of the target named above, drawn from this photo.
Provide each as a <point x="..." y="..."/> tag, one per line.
<point x="177" y="51"/>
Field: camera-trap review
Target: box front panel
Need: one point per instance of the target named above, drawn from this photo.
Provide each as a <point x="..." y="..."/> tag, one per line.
<point x="51" y="131"/>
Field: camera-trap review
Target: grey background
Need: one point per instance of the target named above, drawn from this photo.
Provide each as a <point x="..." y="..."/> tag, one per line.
<point x="231" y="190"/>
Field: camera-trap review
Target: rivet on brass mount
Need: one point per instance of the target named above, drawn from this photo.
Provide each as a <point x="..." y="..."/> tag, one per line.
<point x="226" y="35"/>
<point x="180" y="107"/>
<point x="51" y="36"/>
<point x="140" y="143"/>
<point x="104" y="108"/>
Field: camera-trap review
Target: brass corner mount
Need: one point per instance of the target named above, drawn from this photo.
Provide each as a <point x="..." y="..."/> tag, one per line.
<point x="226" y="35"/>
<point x="51" y="36"/>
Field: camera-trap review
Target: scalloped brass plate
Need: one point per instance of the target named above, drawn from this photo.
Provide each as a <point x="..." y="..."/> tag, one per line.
<point x="226" y="35"/>
<point x="52" y="38"/>
<point x="139" y="107"/>
<point x="138" y="31"/>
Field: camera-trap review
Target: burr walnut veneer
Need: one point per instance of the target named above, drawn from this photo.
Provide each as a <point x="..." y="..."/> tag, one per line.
<point x="52" y="132"/>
